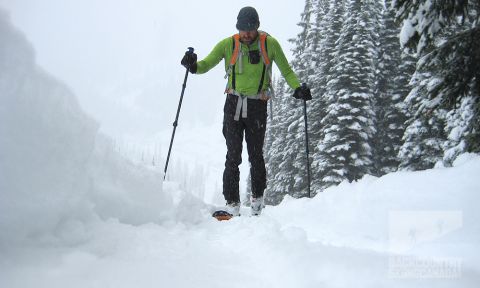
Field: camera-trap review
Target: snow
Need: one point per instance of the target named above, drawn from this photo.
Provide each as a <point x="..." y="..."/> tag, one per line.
<point x="57" y="171"/>
<point x="422" y="21"/>
<point x="76" y="214"/>
<point x="457" y="123"/>
<point x="406" y="32"/>
<point x="325" y="241"/>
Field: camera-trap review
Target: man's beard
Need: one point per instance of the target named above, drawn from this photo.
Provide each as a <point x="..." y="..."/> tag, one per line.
<point x="248" y="40"/>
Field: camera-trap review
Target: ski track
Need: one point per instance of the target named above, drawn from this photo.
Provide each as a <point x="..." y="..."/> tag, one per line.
<point x="243" y="252"/>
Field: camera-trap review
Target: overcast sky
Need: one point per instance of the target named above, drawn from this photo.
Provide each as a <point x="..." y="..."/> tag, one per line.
<point x="121" y="57"/>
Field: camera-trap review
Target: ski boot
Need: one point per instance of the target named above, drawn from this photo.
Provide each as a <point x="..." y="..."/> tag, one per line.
<point x="233" y="208"/>
<point x="257" y="206"/>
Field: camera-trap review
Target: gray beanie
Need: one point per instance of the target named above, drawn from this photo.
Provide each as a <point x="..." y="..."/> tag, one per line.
<point x="247" y="19"/>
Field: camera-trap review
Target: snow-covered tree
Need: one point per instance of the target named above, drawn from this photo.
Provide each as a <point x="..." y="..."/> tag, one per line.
<point x="345" y="152"/>
<point x="329" y="21"/>
<point x="302" y="52"/>
<point x="446" y="35"/>
<point x="424" y="134"/>
<point x="318" y="62"/>
<point x="278" y="176"/>
<point x="457" y="129"/>
<point x="291" y="177"/>
<point x="393" y="76"/>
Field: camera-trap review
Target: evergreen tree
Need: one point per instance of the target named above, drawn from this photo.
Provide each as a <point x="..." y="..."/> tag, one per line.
<point x="288" y="144"/>
<point x="424" y="134"/>
<point x="319" y="34"/>
<point x="392" y="78"/>
<point x="331" y="19"/>
<point x="292" y="170"/>
<point x="457" y="129"/>
<point x="302" y="52"/>
<point x="272" y="194"/>
<point x="446" y="35"/>
<point x="345" y="152"/>
<point x="278" y="179"/>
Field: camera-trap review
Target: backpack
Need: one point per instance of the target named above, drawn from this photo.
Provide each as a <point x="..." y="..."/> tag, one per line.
<point x="262" y="47"/>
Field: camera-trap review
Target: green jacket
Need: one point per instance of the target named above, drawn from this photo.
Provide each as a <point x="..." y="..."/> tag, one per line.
<point x="248" y="80"/>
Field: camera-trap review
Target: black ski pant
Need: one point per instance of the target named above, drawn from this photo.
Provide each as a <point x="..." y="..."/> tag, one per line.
<point x="254" y="127"/>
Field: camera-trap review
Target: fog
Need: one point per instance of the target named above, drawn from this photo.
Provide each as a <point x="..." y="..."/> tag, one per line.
<point x="121" y="58"/>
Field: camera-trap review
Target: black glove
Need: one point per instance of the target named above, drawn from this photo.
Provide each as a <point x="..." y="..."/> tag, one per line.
<point x="190" y="61"/>
<point x="303" y="93"/>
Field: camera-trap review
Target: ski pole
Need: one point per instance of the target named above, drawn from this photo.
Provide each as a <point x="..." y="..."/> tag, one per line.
<point x="175" y="123"/>
<point x="306" y="145"/>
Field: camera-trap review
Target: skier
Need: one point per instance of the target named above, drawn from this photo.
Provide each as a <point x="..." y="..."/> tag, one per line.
<point x="248" y="57"/>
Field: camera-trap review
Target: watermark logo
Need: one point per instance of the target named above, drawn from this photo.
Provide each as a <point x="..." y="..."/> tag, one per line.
<point x="411" y="229"/>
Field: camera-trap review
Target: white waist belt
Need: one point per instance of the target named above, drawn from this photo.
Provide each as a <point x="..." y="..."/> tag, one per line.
<point x="242" y="103"/>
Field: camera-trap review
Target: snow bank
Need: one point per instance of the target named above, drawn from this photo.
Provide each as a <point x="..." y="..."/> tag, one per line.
<point x="368" y="214"/>
<point x="56" y="171"/>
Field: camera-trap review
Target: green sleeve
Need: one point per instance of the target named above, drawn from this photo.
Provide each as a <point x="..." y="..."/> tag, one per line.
<point x="212" y="59"/>
<point x="282" y="64"/>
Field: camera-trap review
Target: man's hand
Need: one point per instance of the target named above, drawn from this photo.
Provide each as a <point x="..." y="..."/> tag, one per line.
<point x="303" y="93"/>
<point x="190" y="61"/>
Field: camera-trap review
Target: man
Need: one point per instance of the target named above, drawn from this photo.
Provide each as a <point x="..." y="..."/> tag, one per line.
<point x="247" y="62"/>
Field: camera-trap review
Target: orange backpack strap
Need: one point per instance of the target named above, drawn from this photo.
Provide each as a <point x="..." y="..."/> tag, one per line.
<point x="263" y="48"/>
<point x="235" y="54"/>
<point x="236" y="49"/>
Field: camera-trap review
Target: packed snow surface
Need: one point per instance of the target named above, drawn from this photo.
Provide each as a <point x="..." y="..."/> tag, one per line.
<point x="347" y="235"/>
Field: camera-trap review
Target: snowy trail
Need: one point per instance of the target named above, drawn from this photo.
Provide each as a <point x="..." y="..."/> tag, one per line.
<point x="340" y="238"/>
<point x="243" y="252"/>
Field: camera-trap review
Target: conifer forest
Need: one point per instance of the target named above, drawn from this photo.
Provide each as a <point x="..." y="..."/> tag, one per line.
<point x="395" y="86"/>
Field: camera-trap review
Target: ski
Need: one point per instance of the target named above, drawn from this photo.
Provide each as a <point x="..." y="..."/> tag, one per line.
<point x="222" y="215"/>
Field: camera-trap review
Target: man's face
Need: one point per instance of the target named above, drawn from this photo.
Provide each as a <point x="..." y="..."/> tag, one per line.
<point x="247" y="37"/>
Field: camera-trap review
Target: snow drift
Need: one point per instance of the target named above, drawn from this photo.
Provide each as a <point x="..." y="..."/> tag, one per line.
<point x="56" y="171"/>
